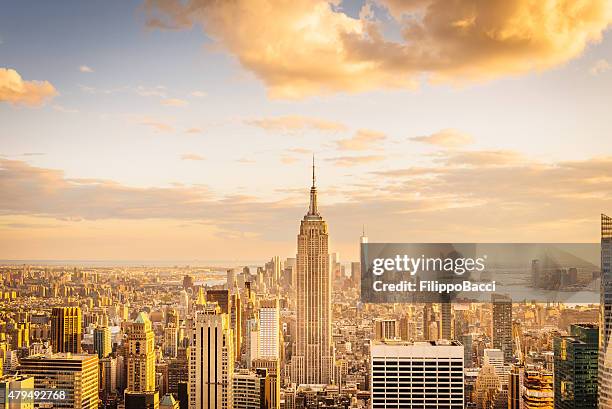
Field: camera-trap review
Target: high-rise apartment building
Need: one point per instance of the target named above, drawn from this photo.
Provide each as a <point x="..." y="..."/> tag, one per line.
<point x="313" y="358"/>
<point x="102" y="341"/>
<point x="66" y="329"/>
<point x="502" y="325"/>
<point x="75" y="374"/>
<point x="604" y="388"/>
<point x="140" y="355"/>
<point x="576" y="367"/>
<point x="211" y="360"/>
<point x="417" y="374"/>
<point x="269" y="329"/>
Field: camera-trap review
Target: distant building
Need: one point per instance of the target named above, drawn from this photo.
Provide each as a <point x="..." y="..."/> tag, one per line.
<point x="385" y="329"/>
<point x="502" y="325"/>
<point x="66" y="329"/>
<point x="102" y="341"/>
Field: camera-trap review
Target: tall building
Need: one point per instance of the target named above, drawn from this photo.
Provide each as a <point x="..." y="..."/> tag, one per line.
<point x="16" y="383"/>
<point x="604" y="388"/>
<point x="66" y="329"/>
<point x="502" y="325"/>
<point x="515" y="387"/>
<point x="102" y="341"/>
<point x="313" y="358"/>
<point x="417" y="374"/>
<point x="269" y="329"/>
<point x="171" y="333"/>
<point x="211" y="360"/>
<point x="576" y="367"/>
<point x="76" y="374"/>
<point x="446" y="320"/>
<point x="140" y="355"/>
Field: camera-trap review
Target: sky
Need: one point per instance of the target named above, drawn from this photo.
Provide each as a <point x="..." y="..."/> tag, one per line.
<point x="184" y="130"/>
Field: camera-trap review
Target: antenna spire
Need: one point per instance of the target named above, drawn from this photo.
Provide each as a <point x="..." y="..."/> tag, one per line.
<point x="313" y="171"/>
<point x="312" y="209"/>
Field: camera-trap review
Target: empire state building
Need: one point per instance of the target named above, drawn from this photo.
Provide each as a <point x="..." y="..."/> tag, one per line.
<point x="313" y="358"/>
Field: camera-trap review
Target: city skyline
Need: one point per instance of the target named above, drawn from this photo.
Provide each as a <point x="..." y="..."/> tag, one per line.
<point x="161" y="137"/>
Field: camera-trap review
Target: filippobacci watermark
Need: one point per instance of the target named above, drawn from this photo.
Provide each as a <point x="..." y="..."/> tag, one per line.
<point x="473" y="272"/>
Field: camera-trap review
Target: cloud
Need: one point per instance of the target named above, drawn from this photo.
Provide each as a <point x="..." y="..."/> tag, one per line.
<point x="174" y="102"/>
<point x="363" y="139"/>
<point x="85" y="68"/>
<point x="447" y="138"/>
<point x="295" y="123"/>
<point x="194" y="130"/>
<point x="348" y="161"/>
<point x="155" y="124"/>
<point x="198" y="94"/>
<point x="600" y="67"/>
<point x="191" y="156"/>
<point x="288" y="160"/>
<point x="518" y="199"/>
<point x="311" y="47"/>
<point x="156" y="91"/>
<point x="16" y="91"/>
<point x="300" y="151"/>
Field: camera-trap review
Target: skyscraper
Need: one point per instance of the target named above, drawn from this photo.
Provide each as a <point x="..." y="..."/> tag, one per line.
<point x="66" y="330"/>
<point x="140" y="355"/>
<point x="604" y="387"/>
<point x="502" y="325"/>
<point x="417" y="374"/>
<point x="102" y="341"/>
<point x="269" y="329"/>
<point x="211" y="360"/>
<point x="576" y="367"/>
<point x="74" y="374"/>
<point x="313" y="358"/>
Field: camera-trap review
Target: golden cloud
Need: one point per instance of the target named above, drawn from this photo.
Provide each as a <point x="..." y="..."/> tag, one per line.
<point x="16" y="91"/>
<point x="307" y="47"/>
<point x="294" y="123"/>
<point x="363" y="139"/>
<point x="448" y="138"/>
<point x="348" y="161"/>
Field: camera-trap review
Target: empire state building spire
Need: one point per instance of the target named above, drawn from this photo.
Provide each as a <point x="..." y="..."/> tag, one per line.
<point x="313" y="209"/>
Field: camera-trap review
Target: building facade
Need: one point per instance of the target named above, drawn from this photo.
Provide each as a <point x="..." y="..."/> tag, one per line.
<point x="313" y="357"/>
<point x="417" y="374"/>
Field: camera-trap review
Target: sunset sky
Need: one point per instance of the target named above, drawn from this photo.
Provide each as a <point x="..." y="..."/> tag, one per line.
<point x="182" y="130"/>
